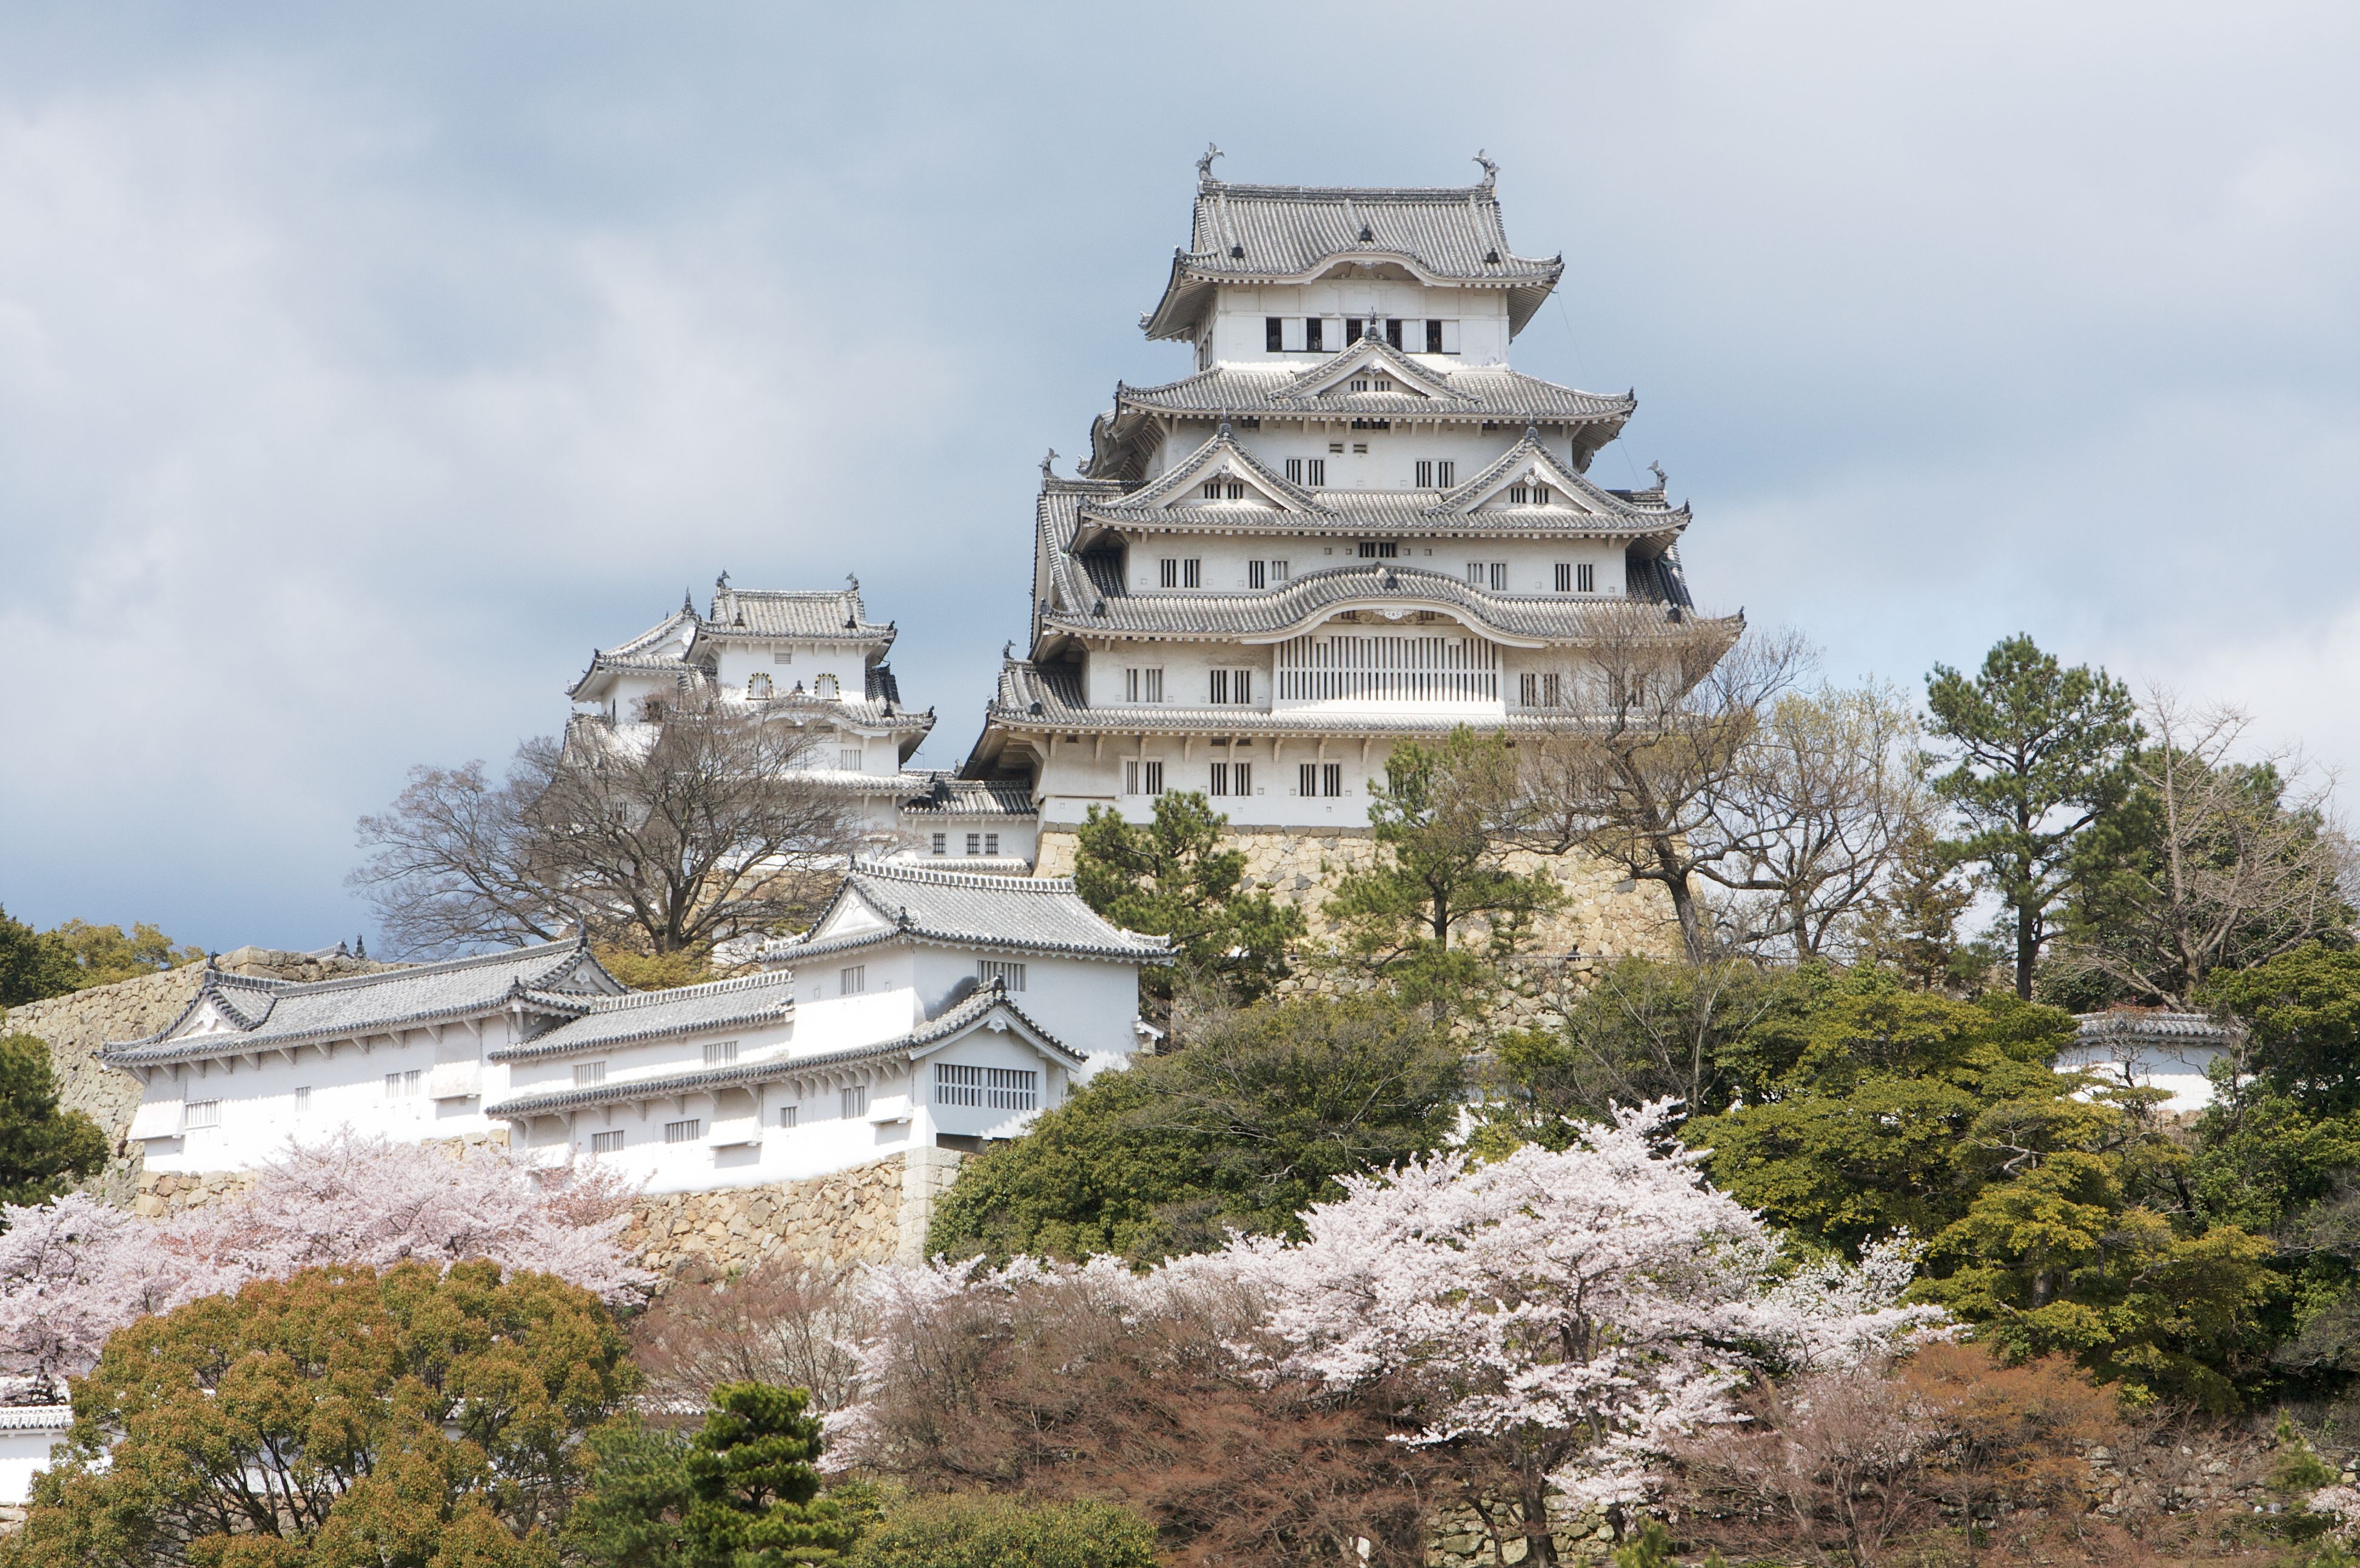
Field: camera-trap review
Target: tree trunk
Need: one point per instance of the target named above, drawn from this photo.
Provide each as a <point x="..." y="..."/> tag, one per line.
<point x="2028" y="948"/>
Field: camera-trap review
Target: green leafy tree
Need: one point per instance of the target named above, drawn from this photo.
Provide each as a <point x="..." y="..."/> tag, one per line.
<point x="103" y="954"/>
<point x="754" y="1498"/>
<point x="1246" y="1127"/>
<point x="338" y="1418"/>
<point x="629" y="1515"/>
<point x="1442" y="821"/>
<point x="33" y="964"/>
<point x="966" y="1531"/>
<point x="1911" y="925"/>
<point x="1171" y="877"/>
<point x="2038" y="752"/>
<point x="43" y="1150"/>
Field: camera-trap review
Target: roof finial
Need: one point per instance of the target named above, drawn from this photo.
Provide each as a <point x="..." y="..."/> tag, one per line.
<point x="1205" y="164"/>
<point x="1007" y="648"/>
<point x="721" y="582"/>
<point x="687" y="602"/>
<point x="852" y="582"/>
<point x="1491" y="170"/>
<point x="1049" y="463"/>
<point x="1662" y="478"/>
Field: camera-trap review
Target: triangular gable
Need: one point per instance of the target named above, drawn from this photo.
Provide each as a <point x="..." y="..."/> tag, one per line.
<point x="1375" y="361"/>
<point x="1525" y="465"/>
<point x="1222" y="460"/>
<point x="1003" y="1017"/>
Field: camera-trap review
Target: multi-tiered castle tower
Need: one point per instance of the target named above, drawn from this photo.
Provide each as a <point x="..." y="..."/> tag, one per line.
<point x="1353" y="523"/>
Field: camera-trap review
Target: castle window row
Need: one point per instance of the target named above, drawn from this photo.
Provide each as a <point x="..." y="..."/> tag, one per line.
<point x="1176" y="573"/>
<point x="977" y="843"/>
<point x="1223" y="687"/>
<point x="1324" y="334"/>
<point x="1311" y="472"/>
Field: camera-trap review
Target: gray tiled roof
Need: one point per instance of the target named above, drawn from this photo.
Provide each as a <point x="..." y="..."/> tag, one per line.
<point x="1492" y="392"/>
<point x="949" y="796"/>
<point x="1244" y="234"/>
<point x="1381" y="583"/>
<point x="640" y="1015"/>
<point x="1033" y="914"/>
<point x="833" y="615"/>
<point x="284" y="1014"/>
<point x="967" y="1015"/>
<point x="2154" y="1024"/>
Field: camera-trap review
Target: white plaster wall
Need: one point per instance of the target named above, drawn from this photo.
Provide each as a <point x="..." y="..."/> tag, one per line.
<point x="25" y="1454"/>
<point x="1089" y="1004"/>
<point x="1532" y="563"/>
<point x="2179" y="1069"/>
<point x="1240" y="337"/>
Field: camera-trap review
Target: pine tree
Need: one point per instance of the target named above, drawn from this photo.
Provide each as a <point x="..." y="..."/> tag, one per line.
<point x="43" y="1150"/>
<point x="1911" y="925"/>
<point x="756" y="1492"/>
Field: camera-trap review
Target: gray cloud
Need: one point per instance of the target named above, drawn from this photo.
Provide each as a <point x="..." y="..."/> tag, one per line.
<point x="359" y="372"/>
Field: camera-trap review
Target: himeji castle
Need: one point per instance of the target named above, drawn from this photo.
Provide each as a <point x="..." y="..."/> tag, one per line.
<point x="1353" y="521"/>
<point x="816" y="659"/>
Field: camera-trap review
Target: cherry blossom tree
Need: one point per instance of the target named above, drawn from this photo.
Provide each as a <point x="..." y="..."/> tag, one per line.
<point x="73" y="1270"/>
<point x="1561" y="1315"/>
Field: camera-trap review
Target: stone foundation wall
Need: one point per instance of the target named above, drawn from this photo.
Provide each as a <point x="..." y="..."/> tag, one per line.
<point x="1604" y="912"/>
<point x="872" y="1213"/>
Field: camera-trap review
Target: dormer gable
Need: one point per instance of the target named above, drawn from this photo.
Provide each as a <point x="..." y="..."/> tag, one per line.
<point x="1220" y="473"/>
<point x="1374" y="367"/>
<point x="1526" y="476"/>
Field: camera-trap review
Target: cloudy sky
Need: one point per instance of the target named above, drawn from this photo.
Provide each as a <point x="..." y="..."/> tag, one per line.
<point x="361" y="368"/>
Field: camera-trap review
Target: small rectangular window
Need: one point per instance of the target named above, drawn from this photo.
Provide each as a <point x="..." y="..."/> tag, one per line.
<point x="1167" y="572"/>
<point x="1565" y="577"/>
<point x="975" y="843"/>
<point x="589" y="1074"/>
<point x="1010" y="975"/>
<point x="1218" y="782"/>
<point x="1446" y="472"/>
<point x="1241" y="686"/>
<point x="1216" y="685"/>
<point x="991" y="844"/>
<point x="720" y="1053"/>
<point x="1380" y="549"/>
<point x="942" y="844"/>
<point x="1335" y="446"/>
<point x="201" y="1113"/>
<point x="1242" y="777"/>
<point x="1254" y="577"/>
<point x="1315" y="334"/>
<point x="403" y="1085"/>
<point x="1155" y="778"/>
<point x="1585" y="578"/>
<point x="687" y="1131"/>
<point x="1130" y="776"/>
<point x="1192" y="573"/>
<point x="1294" y="470"/>
<point x="1475" y="574"/>
<point x="302" y="1099"/>
<point x="1393" y="332"/>
<point x="1306" y="779"/>
<point x="1314" y="469"/>
<point x="1331" y="778"/>
<point x="1278" y="571"/>
<point x="1212" y="490"/>
<point x="1433" y="337"/>
<point x="852" y="981"/>
<point x="1352" y="326"/>
<point x="1528" y="689"/>
<point x="787" y="1115"/>
<point x="1154" y="685"/>
<point x="1425" y="473"/>
<point x="1274" y="334"/>
<point x="854" y="1101"/>
<point x="1519" y="495"/>
<point x="848" y="759"/>
<point x="605" y="1143"/>
<point x="1360" y="446"/>
<point x="1499" y="577"/>
<point x="1552" y="691"/>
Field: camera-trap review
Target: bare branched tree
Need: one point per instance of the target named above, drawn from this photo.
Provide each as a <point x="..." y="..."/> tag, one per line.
<point x="1818" y="807"/>
<point x="700" y="822"/>
<point x="1642" y="772"/>
<point x="2221" y="856"/>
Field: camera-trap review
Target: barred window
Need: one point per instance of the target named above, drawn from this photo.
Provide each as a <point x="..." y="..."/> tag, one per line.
<point x="1380" y="549"/>
<point x="1141" y="777"/>
<point x="758" y="684"/>
<point x="1274" y="333"/>
<point x="787" y="1115"/>
<point x="720" y="1053"/>
<point x="1212" y="493"/>
<point x="1010" y="975"/>
<point x="1219" y="784"/>
<point x="687" y="1131"/>
<point x="403" y="1086"/>
<point x="1294" y="470"/>
<point x="942" y="844"/>
<point x="1565" y="577"/>
<point x="1167" y="571"/>
<point x="589" y="1074"/>
<point x="991" y="844"/>
<point x="848" y="757"/>
<point x="975" y="843"/>
<point x="1192" y="570"/>
<point x="1315" y="469"/>
<point x="302" y="1099"/>
<point x="605" y="1143"/>
<point x="1254" y="578"/>
<point x="993" y="1088"/>
<point x="1331" y="778"/>
<point x="1585" y="578"/>
<point x="1278" y="571"/>
<point x="852" y="981"/>
<point x="854" y="1101"/>
<point x="201" y="1113"/>
<point x="1499" y="577"/>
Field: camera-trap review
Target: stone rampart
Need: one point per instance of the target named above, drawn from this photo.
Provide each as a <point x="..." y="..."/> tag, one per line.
<point x="872" y="1213"/>
<point x="1603" y="913"/>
